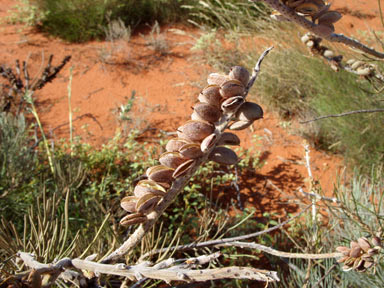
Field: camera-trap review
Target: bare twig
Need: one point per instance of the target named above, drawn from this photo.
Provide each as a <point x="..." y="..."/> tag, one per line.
<point x="269" y="250"/>
<point x="143" y="270"/>
<point x="344" y="114"/>
<point x="314" y="28"/>
<point x="216" y="242"/>
<point x="179" y="183"/>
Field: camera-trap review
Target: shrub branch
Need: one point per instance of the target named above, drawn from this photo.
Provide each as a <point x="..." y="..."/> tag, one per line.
<point x="179" y="184"/>
<point x="314" y="28"/>
<point x="143" y="270"/>
<point x="344" y="114"/>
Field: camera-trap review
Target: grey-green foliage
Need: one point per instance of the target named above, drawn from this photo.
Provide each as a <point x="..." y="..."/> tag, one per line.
<point x="296" y="84"/>
<point x="359" y="214"/>
<point x="18" y="164"/>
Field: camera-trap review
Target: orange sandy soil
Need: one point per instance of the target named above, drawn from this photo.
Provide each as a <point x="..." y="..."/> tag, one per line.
<point x="104" y="75"/>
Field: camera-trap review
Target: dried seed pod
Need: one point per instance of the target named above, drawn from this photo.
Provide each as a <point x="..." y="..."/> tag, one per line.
<point x="160" y="174"/>
<point x="373" y="251"/>
<point x="249" y="111"/>
<point x="228" y="138"/>
<point x="305" y="38"/>
<point x="183" y="168"/>
<point x="328" y="53"/>
<point x="310" y="43"/>
<point x="324" y="30"/>
<point x="351" y="61"/>
<point x="357" y="64"/>
<point x="364" y="71"/>
<point x="307" y="8"/>
<point x="208" y="142"/>
<point x="329" y="17"/>
<point x="240" y="125"/>
<point x="358" y="264"/>
<point x="195" y="130"/>
<point x="172" y="159"/>
<point x="132" y="219"/>
<point x="191" y="151"/>
<point x="376" y="241"/>
<point x="128" y="203"/>
<point x="216" y="79"/>
<point x="223" y="155"/>
<point x="211" y="95"/>
<point x="232" y="88"/>
<point x="364" y="244"/>
<point x="344" y="250"/>
<point x="355" y="252"/>
<point x="368" y="264"/>
<point x="147" y="203"/>
<point x="148" y="187"/>
<point x="175" y="144"/>
<point x="232" y="103"/>
<point x="206" y="112"/>
<point x="342" y="259"/>
<point x="239" y="73"/>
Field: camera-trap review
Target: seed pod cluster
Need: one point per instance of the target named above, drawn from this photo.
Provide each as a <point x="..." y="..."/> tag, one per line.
<point x="361" y="68"/>
<point x="314" y="44"/>
<point x="316" y="10"/>
<point x="360" y="256"/>
<point x="221" y="101"/>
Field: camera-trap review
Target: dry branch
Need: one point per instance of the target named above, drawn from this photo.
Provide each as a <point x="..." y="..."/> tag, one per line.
<point x="216" y="242"/>
<point x="343" y="114"/>
<point x="143" y="270"/>
<point x="315" y="29"/>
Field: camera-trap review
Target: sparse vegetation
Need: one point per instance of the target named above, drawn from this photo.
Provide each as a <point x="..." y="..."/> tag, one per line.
<point x="64" y="200"/>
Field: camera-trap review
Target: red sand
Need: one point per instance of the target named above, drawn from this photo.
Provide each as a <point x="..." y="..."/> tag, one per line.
<point x="166" y="87"/>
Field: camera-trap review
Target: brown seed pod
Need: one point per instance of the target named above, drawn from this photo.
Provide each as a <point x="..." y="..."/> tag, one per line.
<point x="148" y="187"/>
<point x="232" y="103"/>
<point x="344" y="250"/>
<point x="175" y="144"/>
<point x="307" y="8"/>
<point x="342" y="259"/>
<point x="211" y="95"/>
<point x="183" y="168"/>
<point x="364" y="244"/>
<point x="172" y="159"/>
<point x="195" y="130"/>
<point x="206" y="112"/>
<point x="223" y="155"/>
<point x="232" y="88"/>
<point x="228" y="138"/>
<point x="240" y="125"/>
<point x="329" y="17"/>
<point x="249" y="111"/>
<point x="207" y="143"/>
<point x="146" y="203"/>
<point x="364" y="71"/>
<point x="376" y="241"/>
<point x="216" y="79"/>
<point x="355" y="252"/>
<point x="328" y="53"/>
<point x="132" y="219"/>
<point x="323" y="30"/>
<point x="239" y="73"/>
<point x="128" y="203"/>
<point x="191" y="151"/>
<point x="160" y="174"/>
<point x="358" y="264"/>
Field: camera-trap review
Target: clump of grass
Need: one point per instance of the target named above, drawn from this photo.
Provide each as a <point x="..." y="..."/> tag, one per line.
<point x="232" y="15"/>
<point x="84" y="20"/>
